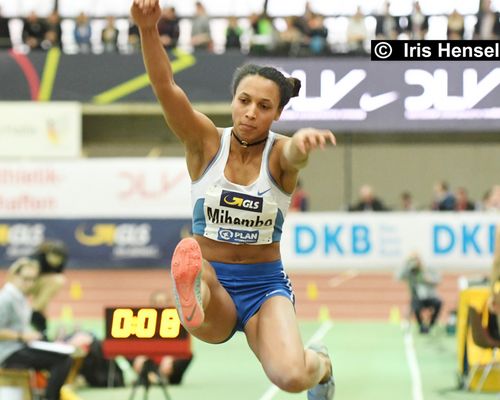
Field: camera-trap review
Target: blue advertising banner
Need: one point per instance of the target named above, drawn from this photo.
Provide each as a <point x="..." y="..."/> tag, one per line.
<point x="96" y="243"/>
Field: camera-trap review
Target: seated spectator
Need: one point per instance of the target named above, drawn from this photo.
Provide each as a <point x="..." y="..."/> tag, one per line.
<point x="418" y="23"/>
<point x="134" y="39"/>
<point x="263" y="34"/>
<point x="168" y="26"/>
<point x="53" y="32"/>
<point x="357" y="33"/>
<point x="387" y="26"/>
<point x="317" y="35"/>
<point x="456" y="26"/>
<point x="5" y="42"/>
<point x="493" y="203"/>
<point x="443" y="198"/>
<point x="487" y="25"/>
<point x="300" y="199"/>
<point x="34" y="31"/>
<point x="368" y="201"/>
<point x="109" y="35"/>
<point x="201" y="37"/>
<point x="407" y="202"/>
<point x="83" y="33"/>
<point x="16" y="333"/>
<point x="291" y="39"/>
<point x="422" y="285"/>
<point x="52" y="256"/>
<point x="302" y="22"/>
<point x="233" y="34"/>
<point x="462" y="202"/>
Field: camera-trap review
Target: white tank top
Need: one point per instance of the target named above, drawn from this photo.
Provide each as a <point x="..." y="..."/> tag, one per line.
<point x="238" y="214"/>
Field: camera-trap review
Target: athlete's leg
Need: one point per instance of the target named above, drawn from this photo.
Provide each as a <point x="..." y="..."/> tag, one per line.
<point x="214" y="319"/>
<point x="274" y="337"/>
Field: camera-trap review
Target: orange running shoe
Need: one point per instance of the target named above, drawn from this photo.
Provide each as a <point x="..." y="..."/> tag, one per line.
<point x="186" y="276"/>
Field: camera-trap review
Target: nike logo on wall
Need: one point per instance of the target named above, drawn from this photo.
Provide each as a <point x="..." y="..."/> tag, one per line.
<point x="371" y="103"/>
<point x="259" y="193"/>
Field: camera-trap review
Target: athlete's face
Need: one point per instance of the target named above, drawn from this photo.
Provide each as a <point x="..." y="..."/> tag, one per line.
<point x="255" y="106"/>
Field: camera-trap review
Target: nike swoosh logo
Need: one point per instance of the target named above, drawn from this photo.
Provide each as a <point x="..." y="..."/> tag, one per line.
<point x="259" y="193"/>
<point x="192" y="314"/>
<point x="369" y="103"/>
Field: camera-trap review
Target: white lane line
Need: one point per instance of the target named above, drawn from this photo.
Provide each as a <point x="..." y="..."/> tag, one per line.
<point x="317" y="336"/>
<point x="411" y="358"/>
<point x="342" y="278"/>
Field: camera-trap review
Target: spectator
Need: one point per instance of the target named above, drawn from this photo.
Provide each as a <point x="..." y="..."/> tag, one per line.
<point x="493" y="203"/>
<point x="300" y="199"/>
<point x="357" y="33"/>
<point x="487" y="22"/>
<point x="33" y="31"/>
<point x="443" y="198"/>
<point x="201" y="37"/>
<point x="456" y="26"/>
<point x="168" y="26"/>
<point x="53" y="31"/>
<point x="407" y="202"/>
<point x="291" y="39"/>
<point x="317" y="35"/>
<point x="5" y="42"/>
<point x="368" y="201"/>
<point x="387" y="26"/>
<point x="418" y="23"/>
<point x="263" y="38"/>
<point x="16" y="334"/>
<point x="422" y="285"/>
<point x="233" y="34"/>
<point x="462" y="202"/>
<point x="109" y="35"/>
<point x="302" y="23"/>
<point x="134" y="40"/>
<point x="83" y="33"/>
<point x="52" y="256"/>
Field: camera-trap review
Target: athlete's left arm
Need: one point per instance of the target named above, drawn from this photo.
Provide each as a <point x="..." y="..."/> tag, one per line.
<point x="294" y="153"/>
<point x="296" y="150"/>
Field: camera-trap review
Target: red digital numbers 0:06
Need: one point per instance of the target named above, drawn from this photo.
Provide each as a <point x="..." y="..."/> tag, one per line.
<point x="144" y="325"/>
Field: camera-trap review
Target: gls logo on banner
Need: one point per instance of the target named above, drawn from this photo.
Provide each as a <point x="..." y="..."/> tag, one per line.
<point x="22" y="234"/>
<point x="114" y="234"/>
<point x="237" y="236"/>
<point x="241" y="201"/>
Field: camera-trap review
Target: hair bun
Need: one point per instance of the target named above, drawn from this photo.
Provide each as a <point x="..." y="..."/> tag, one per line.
<point x="296" y="85"/>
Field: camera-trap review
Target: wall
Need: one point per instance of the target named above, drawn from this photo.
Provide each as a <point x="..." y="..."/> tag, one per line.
<point x="391" y="162"/>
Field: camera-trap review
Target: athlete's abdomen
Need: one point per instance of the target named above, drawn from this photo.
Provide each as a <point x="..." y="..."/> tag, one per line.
<point x="239" y="254"/>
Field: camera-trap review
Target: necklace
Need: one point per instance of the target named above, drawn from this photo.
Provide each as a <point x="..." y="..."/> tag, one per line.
<point x="244" y="143"/>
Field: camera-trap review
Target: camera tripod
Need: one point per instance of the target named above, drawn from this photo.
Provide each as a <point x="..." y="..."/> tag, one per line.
<point x="143" y="380"/>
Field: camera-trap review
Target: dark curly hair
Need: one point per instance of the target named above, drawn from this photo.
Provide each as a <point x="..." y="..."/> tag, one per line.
<point x="289" y="87"/>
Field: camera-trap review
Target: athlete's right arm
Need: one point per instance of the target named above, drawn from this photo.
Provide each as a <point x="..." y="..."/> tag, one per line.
<point x="196" y="131"/>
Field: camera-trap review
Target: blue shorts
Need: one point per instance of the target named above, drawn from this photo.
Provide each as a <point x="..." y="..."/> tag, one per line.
<point x="250" y="285"/>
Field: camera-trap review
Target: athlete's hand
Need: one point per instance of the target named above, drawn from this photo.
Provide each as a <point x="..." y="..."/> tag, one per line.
<point x="146" y="13"/>
<point x="309" y="139"/>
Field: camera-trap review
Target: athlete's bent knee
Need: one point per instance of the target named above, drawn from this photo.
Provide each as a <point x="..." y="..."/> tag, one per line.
<point x="291" y="381"/>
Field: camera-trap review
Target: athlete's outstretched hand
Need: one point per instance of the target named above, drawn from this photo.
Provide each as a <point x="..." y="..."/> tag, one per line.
<point x="307" y="139"/>
<point x="146" y="13"/>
